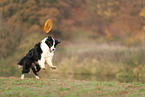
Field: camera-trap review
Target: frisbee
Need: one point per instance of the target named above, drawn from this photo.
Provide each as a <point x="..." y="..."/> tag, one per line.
<point x="48" y="26"/>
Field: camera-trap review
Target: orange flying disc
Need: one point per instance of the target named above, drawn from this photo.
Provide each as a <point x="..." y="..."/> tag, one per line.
<point x="48" y="26"/>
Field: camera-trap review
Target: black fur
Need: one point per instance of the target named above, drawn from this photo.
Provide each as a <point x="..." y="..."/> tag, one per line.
<point x="49" y="41"/>
<point x="31" y="57"/>
<point x="56" y="43"/>
<point x="34" y="55"/>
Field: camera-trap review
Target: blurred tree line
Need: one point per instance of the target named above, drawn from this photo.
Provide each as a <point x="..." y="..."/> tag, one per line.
<point x="100" y="18"/>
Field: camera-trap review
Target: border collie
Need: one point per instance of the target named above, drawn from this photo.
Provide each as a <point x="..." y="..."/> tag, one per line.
<point x="35" y="59"/>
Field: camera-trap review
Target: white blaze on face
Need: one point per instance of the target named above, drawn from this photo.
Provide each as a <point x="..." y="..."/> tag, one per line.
<point x="53" y="48"/>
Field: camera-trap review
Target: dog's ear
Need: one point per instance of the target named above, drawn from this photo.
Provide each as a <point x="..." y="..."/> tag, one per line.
<point x="57" y="42"/>
<point x="30" y="54"/>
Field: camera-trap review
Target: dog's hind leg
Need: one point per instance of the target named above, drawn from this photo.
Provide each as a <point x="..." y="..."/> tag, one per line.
<point x="38" y="68"/>
<point x="26" y="69"/>
<point x="34" y="69"/>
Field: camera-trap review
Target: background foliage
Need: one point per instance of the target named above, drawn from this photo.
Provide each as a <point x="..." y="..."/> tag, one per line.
<point x="101" y="37"/>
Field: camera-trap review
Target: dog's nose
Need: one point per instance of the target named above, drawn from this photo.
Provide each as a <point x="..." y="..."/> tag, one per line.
<point x="53" y="49"/>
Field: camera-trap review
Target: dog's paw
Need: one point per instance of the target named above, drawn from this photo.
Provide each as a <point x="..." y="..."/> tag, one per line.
<point x="53" y="67"/>
<point x="37" y="77"/>
<point x="22" y="77"/>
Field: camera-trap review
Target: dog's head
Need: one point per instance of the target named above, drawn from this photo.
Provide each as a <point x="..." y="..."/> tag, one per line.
<point x="52" y="43"/>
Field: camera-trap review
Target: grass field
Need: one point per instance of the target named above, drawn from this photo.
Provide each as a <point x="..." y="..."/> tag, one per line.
<point x="14" y="87"/>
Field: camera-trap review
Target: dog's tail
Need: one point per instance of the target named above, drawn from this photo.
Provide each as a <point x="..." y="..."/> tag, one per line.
<point x="20" y="66"/>
<point x="20" y="63"/>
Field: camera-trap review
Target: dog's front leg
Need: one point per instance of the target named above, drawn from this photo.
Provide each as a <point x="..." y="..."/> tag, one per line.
<point x="42" y="63"/>
<point x="49" y="62"/>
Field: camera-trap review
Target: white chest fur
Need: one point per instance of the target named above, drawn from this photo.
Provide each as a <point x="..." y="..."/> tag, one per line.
<point x="46" y="50"/>
<point x="46" y="55"/>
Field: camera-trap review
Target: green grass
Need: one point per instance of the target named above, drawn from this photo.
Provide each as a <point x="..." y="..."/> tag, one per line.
<point x="14" y="87"/>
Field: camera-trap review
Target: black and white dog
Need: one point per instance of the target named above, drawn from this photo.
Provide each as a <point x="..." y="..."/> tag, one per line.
<point x="35" y="59"/>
